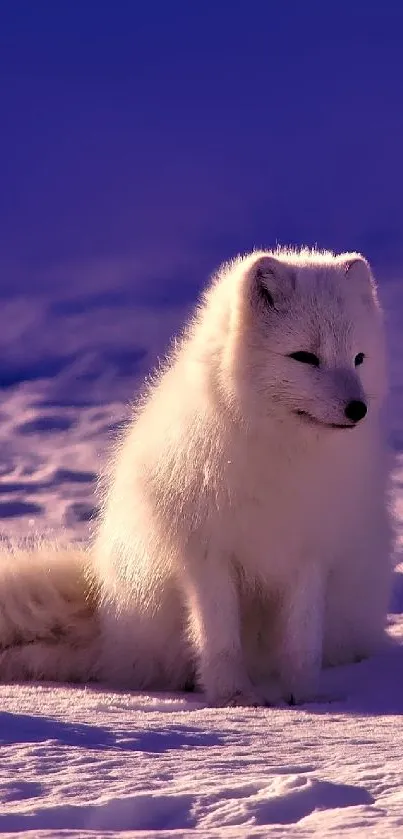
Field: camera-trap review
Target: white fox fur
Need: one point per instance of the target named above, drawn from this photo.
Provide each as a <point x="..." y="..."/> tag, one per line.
<point x="245" y="538"/>
<point x="48" y="619"/>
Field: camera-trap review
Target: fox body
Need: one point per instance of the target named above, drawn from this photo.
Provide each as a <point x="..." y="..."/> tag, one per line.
<point x="244" y="538"/>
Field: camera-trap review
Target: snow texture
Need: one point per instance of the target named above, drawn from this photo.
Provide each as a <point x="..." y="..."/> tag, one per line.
<point x="89" y="762"/>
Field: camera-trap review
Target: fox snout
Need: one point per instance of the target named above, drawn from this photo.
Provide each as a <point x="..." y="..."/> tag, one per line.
<point x="350" y="395"/>
<point x="345" y="405"/>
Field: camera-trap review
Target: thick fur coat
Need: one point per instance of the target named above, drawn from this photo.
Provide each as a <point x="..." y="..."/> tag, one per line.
<point x="244" y="539"/>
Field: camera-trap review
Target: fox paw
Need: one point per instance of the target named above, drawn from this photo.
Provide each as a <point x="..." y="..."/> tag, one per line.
<point x="249" y="698"/>
<point x="301" y="693"/>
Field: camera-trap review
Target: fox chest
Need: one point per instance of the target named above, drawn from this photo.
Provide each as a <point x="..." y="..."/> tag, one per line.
<point x="284" y="521"/>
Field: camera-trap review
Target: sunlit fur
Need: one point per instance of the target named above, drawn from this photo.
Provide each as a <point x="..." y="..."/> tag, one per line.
<point x="48" y="614"/>
<point x="231" y="523"/>
<point x="244" y="539"/>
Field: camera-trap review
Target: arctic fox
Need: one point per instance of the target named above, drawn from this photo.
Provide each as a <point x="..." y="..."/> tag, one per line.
<point x="244" y="539"/>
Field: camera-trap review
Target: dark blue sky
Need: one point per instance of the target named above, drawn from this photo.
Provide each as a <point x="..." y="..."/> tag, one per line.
<point x="198" y="127"/>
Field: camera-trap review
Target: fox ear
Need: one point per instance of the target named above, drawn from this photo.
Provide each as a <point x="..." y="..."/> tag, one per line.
<point x="358" y="269"/>
<point x="271" y="281"/>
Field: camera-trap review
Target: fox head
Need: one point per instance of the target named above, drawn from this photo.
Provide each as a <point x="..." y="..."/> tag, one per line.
<point x="304" y="339"/>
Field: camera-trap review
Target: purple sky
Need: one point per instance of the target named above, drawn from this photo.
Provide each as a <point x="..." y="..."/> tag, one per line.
<point x="197" y="128"/>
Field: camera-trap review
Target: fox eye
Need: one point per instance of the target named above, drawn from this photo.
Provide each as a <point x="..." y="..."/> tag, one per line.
<point x="305" y="358"/>
<point x="359" y="359"/>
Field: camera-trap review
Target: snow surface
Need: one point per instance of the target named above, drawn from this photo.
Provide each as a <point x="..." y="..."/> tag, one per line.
<point x="91" y="762"/>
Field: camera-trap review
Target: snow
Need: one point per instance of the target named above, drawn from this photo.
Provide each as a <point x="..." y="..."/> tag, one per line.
<point x="94" y="761"/>
<point x="90" y="762"/>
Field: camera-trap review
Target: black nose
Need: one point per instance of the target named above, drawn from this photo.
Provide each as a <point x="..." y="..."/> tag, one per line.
<point x="355" y="410"/>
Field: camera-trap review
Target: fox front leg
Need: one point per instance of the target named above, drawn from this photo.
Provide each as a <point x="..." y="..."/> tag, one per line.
<point x="214" y="632"/>
<point x="299" y="657"/>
